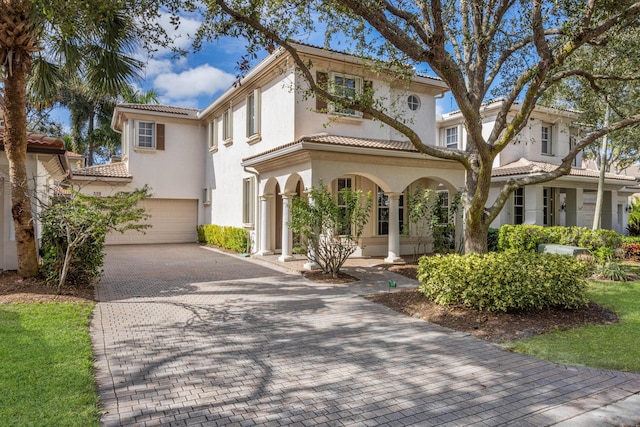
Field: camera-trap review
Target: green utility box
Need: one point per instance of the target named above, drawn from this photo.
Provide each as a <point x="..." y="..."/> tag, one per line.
<point x="554" y="248"/>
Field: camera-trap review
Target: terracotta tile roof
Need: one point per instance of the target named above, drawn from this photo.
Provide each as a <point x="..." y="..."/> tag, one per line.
<point x="60" y="191"/>
<point x="524" y="166"/>
<point x="72" y="155"/>
<point x="346" y="141"/>
<point x="161" y="109"/>
<point x="491" y="102"/>
<point x="361" y="142"/>
<point x="111" y="170"/>
<point x="38" y="142"/>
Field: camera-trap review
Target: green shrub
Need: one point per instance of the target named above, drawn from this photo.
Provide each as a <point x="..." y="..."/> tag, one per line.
<point x="630" y="239"/>
<point x="631" y="251"/>
<point x="492" y="239"/>
<point x="526" y="238"/>
<point x="504" y="281"/>
<point x="611" y="270"/>
<point x="231" y="238"/>
<point x="74" y="229"/>
<point x="88" y="257"/>
<point x="633" y="227"/>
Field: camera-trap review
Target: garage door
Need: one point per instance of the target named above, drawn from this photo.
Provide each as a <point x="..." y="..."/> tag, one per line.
<point x="172" y="220"/>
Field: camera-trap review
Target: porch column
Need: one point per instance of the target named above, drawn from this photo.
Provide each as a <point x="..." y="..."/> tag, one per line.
<point x="609" y="204"/>
<point x="609" y="219"/>
<point x="264" y="224"/>
<point x="394" y="229"/>
<point x="533" y="204"/>
<point x="573" y="205"/>
<point x="287" y="236"/>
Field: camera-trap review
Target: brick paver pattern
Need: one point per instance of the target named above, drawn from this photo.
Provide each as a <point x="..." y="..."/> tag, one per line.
<point x="188" y="336"/>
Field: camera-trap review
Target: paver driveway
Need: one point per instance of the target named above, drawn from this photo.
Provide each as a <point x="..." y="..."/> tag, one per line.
<point x="188" y="336"/>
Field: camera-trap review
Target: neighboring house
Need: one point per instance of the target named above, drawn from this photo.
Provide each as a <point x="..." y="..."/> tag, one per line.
<point x="164" y="148"/>
<point x="46" y="166"/>
<point x="76" y="161"/>
<point x="540" y="147"/>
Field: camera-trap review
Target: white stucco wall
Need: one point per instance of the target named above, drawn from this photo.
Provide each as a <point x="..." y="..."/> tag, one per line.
<point x="224" y="173"/>
<point x="175" y="172"/>
<point x="422" y="121"/>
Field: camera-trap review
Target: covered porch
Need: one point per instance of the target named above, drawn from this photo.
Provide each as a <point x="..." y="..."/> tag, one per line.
<point x="390" y="170"/>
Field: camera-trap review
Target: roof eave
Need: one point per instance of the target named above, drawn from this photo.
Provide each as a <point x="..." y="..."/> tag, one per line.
<point x="568" y="177"/>
<point x="99" y="179"/>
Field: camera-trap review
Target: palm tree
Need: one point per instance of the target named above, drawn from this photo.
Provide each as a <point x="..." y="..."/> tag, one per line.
<point x="88" y="37"/>
<point x="20" y="30"/>
<point x="105" y="72"/>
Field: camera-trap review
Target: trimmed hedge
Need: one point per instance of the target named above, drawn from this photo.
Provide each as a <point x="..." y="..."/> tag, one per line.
<point x="231" y="238"/>
<point x="525" y="238"/>
<point x="504" y="281"/>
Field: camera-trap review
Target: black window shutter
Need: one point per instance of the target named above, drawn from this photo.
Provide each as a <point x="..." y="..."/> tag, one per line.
<point x="368" y="92"/>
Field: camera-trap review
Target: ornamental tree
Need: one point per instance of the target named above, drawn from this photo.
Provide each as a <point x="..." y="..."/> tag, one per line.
<point x="74" y="230"/>
<point x="330" y="224"/>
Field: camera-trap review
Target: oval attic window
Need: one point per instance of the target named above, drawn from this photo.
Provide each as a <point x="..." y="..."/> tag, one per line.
<point x="413" y="102"/>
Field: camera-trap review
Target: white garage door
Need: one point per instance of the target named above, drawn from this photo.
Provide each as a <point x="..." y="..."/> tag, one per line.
<point x="172" y="220"/>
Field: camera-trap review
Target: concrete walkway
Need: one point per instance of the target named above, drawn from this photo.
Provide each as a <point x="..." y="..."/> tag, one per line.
<point x="184" y="335"/>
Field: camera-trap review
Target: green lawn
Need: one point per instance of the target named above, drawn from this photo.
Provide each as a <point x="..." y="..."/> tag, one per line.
<point x="615" y="346"/>
<point x="46" y="375"/>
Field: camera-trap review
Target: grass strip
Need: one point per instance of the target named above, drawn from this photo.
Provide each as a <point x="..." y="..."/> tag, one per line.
<point x="46" y="370"/>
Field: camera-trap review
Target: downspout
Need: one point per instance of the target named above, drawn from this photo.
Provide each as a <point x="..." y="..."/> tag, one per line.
<point x="256" y="204"/>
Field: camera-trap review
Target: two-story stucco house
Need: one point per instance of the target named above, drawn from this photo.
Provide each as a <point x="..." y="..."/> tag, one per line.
<point x="239" y="161"/>
<point x="540" y="147"/>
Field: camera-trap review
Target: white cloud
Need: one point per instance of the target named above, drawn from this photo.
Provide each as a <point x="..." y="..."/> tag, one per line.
<point x="192" y="83"/>
<point x="182" y="37"/>
<point x="155" y="67"/>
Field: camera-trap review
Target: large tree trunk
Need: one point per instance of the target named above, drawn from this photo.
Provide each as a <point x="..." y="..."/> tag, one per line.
<point x="15" y="146"/>
<point x="475" y="238"/>
<point x="477" y="187"/>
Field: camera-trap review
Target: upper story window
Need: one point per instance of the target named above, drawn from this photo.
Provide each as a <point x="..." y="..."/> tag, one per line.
<point x="253" y="114"/>
<point x="451" y="137"/>
<point x="546" y="139"/>
<point x="212" y="135"/>
<point x="572" y="143"/>
<point x="149" y="135"/>
<point x="347" y="87"/>
<point x="146" y="135"/>
<point x="413" y="102"/>
<point x="227" y="126"/>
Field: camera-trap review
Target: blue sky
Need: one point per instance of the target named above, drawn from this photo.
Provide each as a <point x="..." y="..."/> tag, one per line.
<point x="195" y="80"/>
